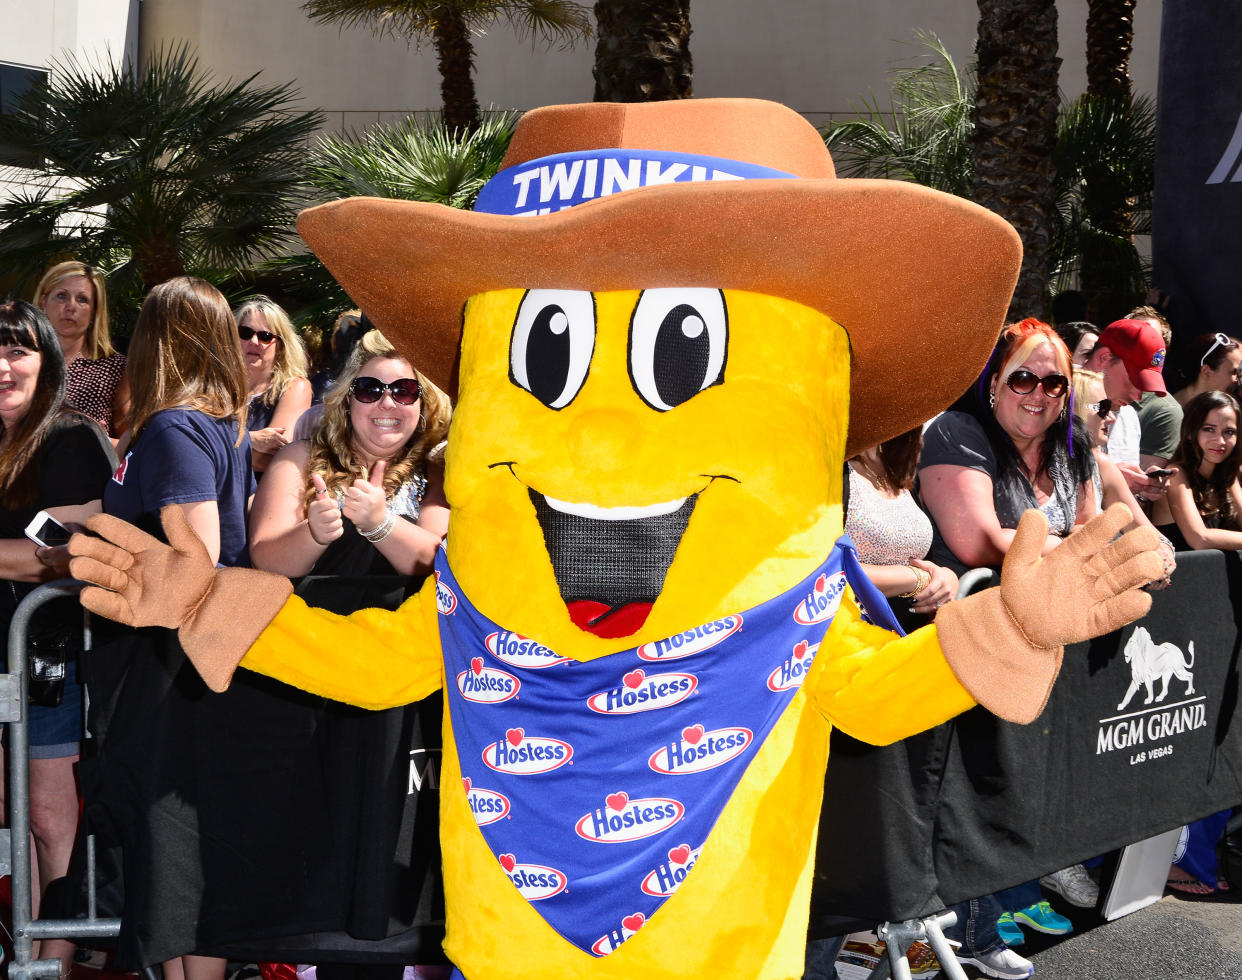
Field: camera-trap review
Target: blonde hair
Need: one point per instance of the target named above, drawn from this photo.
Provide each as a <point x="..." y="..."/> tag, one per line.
<point x="1082" y="382"/>
<point x="331" y="443"/>
<point x="290" y="356"/>
<point x="98" y="341"/>
<point x="185" y="353"/>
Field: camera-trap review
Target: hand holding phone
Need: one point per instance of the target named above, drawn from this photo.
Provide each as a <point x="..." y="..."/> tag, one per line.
<point x="47" y="532"/>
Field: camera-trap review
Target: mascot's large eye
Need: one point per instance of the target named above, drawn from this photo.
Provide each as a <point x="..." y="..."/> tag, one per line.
<point x="553" y="339"/>
<point x="678" y="341"/>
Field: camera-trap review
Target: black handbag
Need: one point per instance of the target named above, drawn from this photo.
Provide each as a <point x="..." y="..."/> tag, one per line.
<point x="52" y="640"/>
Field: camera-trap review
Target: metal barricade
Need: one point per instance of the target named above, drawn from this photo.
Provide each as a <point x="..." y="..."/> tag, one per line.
<point x="15" y="842"/>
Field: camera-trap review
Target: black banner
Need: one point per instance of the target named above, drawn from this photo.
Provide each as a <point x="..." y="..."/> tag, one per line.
<point x="1198" y="200"/>
<point x="1138" y="737"/>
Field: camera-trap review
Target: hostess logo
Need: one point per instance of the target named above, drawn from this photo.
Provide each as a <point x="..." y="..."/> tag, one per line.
<point x="609" y="943"/>
<point x="446" y="600"/>
<point x="521" y="756"/>
<point x="486" y="685"/>
<point x="638" y="692"/>
<point x="792" y="672"/>
<point x="667" y="878"/>
<point x="691" y="641"/>
<point x="518" y="651"/>
<point x="534" y="881"/>
<point x="699" y="750"/>
<point x="486" y="805"/>
<point x="621" y="820"/>
<point x="820" y="604"/>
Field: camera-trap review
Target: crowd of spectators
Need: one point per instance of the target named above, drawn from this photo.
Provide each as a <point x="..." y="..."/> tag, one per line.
<point x="1067" y="421"/>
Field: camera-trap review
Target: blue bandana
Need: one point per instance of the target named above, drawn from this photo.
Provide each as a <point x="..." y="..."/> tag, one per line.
<point x="597" y="784"/>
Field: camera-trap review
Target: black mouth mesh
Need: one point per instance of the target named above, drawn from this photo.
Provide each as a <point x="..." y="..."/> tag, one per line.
<point x="613" y="562"/>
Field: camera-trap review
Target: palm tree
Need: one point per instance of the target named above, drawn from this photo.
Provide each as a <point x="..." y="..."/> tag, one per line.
<point x="642" y="50"/>
<point x="1110" y="42"/>
<point x="151" y="174"/>
<point x="1015" y="132"/>
<point x="411" y="161"/>
<point x="449" y="25"/>
<point x="924" y="134"/>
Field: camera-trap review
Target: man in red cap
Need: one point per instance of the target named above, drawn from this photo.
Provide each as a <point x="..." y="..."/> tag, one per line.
<point x="1130" y="356"/>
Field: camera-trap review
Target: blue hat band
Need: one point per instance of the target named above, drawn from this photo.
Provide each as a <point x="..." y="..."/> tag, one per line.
<point x="563" y="180"/>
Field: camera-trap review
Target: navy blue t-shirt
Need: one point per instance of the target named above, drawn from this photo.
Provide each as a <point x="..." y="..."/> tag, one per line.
<point x="182" y="457"/>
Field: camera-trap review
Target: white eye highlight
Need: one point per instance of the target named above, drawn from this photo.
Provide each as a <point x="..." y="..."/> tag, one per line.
<point x="679" y="340"/>
<point x="553" y="340"/>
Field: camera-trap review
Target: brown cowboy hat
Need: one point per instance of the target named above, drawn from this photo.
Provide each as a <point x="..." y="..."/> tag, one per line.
<point x="919" y="279"/>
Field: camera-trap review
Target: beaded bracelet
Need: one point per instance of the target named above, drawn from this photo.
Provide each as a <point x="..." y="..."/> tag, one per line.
<point x="381" y="530"/>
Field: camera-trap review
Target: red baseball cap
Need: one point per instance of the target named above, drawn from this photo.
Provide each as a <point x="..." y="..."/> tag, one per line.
<point x="1140" y="344"/>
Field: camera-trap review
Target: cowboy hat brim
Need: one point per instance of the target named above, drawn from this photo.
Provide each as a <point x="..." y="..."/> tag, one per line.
<point x="920" y="280"/>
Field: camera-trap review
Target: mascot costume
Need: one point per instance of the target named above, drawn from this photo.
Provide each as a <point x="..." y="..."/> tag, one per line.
<point x="667" y="326"/>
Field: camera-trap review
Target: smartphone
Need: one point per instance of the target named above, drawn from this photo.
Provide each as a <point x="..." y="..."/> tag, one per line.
<point x="1157" y="474"/>
<point x="46" y="531"/>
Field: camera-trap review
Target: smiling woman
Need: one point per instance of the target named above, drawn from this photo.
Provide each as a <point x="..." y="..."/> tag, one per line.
<point x="361" y="497"/>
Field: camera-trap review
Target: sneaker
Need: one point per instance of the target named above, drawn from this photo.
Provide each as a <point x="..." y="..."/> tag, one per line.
<point x="1042" y="918"/>
<point x="1008" y="930"/>
<point x="1001" y="962"/>
<point x="1073" y="884"/>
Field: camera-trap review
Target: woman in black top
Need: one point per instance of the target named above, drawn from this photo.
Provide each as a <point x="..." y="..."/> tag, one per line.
<point x="55" y="459"/>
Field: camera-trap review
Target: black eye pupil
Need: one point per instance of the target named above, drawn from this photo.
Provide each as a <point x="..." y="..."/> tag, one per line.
<point x="681" y="355"/>
<point x="547" y="354"/>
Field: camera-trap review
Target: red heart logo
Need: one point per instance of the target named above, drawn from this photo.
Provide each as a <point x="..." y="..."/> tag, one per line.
<point x="477" y="666"/>
<point x="692" y="734"/>
<point x="821" y="583"/>
<point x="632" y="923"/>
<point x="800" y="650"/>
<point x="508" y="862"/>
<point x="680" y="854"/>
<point x="465" y="781"/>
<point x="617" y="801"/>
<point x="634" y="678"/>
<point x="515" y="736"/>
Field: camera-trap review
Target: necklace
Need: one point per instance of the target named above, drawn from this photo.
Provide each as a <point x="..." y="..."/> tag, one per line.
<point x="873" y="473"/>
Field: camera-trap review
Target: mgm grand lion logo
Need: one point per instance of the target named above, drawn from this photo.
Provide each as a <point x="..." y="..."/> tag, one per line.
<point x="1151" y="662"/>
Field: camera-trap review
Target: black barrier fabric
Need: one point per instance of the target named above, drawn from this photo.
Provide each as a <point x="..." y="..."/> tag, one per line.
<point x="980" y="804"/>
<point x="264" y="823"/>
<point x="1198" y="200"/>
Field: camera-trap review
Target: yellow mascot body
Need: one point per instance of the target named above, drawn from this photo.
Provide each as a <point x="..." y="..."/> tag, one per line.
<point x="694" y="349"/>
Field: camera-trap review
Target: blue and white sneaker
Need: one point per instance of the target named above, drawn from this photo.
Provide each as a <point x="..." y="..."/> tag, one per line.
<point x="1043" y="918"/>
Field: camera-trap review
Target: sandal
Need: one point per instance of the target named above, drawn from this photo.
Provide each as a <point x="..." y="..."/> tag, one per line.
<point x="1187" y="884"/>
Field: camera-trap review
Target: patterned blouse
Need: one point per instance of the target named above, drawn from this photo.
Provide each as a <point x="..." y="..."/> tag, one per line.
<point x="90" y="387"/>
<point x="885" y="530"/>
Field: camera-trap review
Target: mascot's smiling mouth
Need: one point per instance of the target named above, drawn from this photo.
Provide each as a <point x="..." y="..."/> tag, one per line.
<point x="610" y="562"/>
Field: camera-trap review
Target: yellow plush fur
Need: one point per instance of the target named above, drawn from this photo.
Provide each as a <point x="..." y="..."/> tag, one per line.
<point x="776" y="428"/>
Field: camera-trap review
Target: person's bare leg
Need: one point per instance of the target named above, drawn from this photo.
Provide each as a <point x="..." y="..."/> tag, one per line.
<point x="173" y="969"/>
<point x="203" y="967"/>
<point x="54" y="824"/>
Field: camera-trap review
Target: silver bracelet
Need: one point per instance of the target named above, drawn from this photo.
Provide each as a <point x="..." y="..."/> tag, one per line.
<point x="381" y="530"/>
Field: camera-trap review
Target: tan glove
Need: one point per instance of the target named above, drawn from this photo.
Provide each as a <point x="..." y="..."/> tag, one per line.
<point x="1005" y="644"/>
<point x="138" y="580"/>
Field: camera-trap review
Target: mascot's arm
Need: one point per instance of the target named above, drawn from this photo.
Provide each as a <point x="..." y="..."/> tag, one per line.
<point x="374" y="658"/>
<point x="1001" y="647"/>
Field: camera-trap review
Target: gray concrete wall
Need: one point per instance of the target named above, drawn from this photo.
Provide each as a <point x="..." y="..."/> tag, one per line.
<point x="819" y="56"/>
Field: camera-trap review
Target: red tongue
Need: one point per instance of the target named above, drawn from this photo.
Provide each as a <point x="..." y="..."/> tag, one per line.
<point x="622" y="622"/>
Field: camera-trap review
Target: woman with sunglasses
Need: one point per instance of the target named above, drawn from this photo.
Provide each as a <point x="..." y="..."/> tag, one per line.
<point x="1211" y="364"/>
<point x="1006" y="447"/>
<point x="362" y="496"/>
<point x="276" y="367"/>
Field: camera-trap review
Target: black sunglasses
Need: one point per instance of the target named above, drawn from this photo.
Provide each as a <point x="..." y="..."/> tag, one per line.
<point x="1101" y="408"/>
<point x="1023" y="382"/>
<point x="404" y="391"/>
<point x="264" y="337"/>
